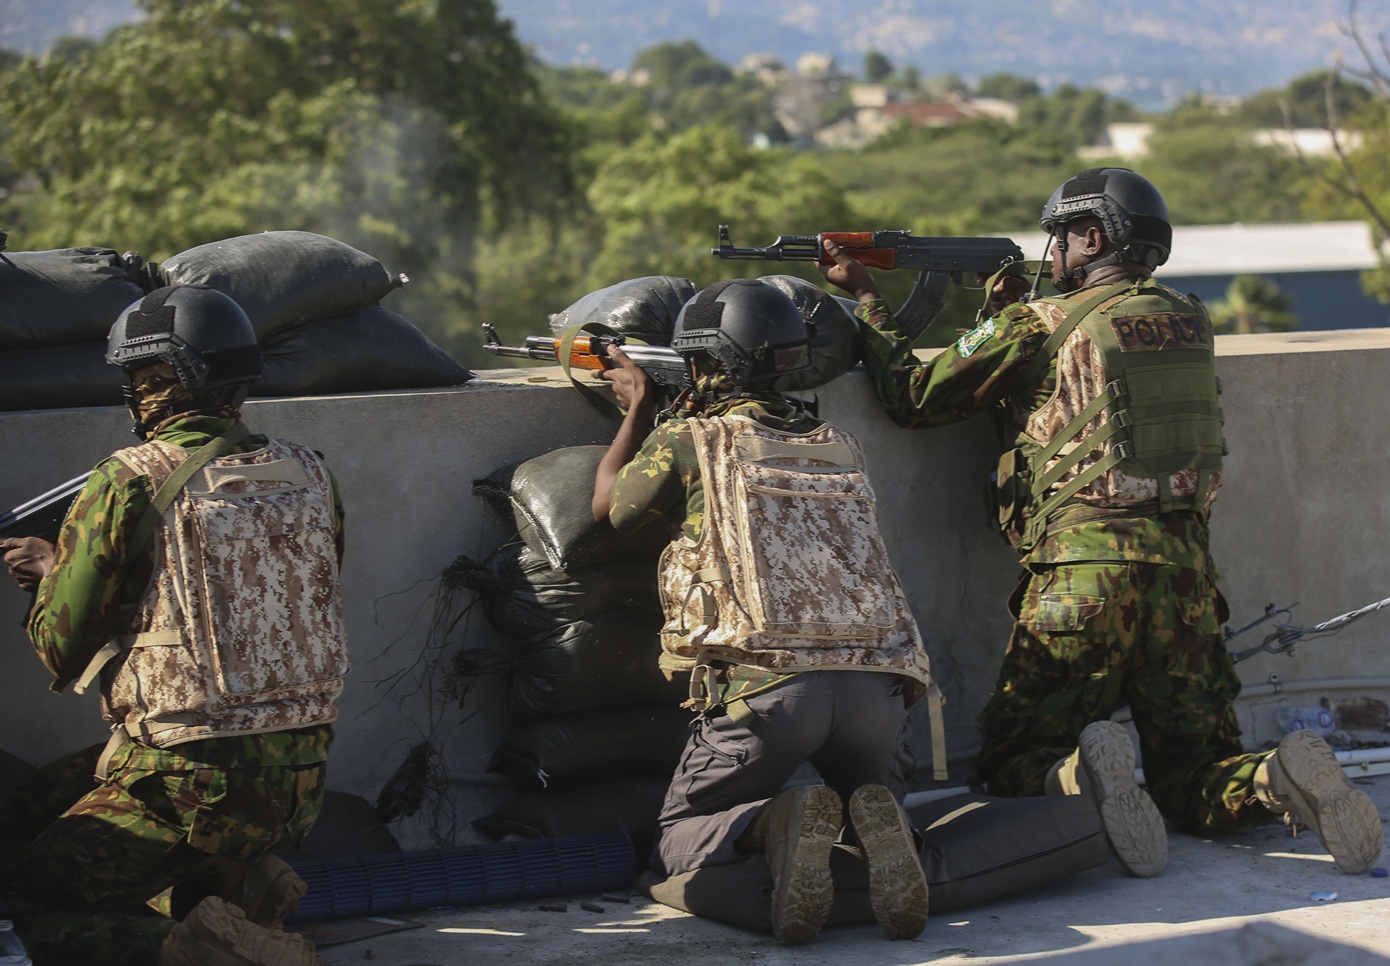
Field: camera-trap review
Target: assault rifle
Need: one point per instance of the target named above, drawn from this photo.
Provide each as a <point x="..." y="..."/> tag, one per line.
<point x="667" y="367"/>
<point x="938" y="261"/>
<point x="43" y="515"/>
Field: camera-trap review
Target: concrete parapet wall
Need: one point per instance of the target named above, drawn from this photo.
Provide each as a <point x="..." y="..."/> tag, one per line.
<point x="1303" y="517"/>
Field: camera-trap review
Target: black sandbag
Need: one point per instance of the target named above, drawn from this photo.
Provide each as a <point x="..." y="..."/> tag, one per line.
<point x="600" y="744"/>
<point x="371" y="348"/>
<point x="609" y="660"/>
<point x="974" y="849"/>
<point x="836" y="344"/>
<point x="522" y="594"/>
<point x="550" y="499"/>
<point x="282" y="278"/>
<point x="347" y="825"/>
<point x="643" y="308"/>
<point x="64" y="296"/>
<point x="627" y="805"/>
<point x="58" y="377"/>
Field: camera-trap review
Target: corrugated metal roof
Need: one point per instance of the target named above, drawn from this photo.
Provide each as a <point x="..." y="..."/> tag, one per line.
<point x="1320" y="246"/>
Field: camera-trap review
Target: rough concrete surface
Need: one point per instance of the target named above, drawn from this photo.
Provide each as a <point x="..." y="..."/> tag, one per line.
<point x="1241" y="900"/>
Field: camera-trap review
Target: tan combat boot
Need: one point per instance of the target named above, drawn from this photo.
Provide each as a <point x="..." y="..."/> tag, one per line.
<point x="1303" y="780"/>
<point x="897" y="885"/>
<point x="217" y="933"/>
<point x="1102" y="769"/>
<point x="795" y="832"/>
<point x="267" y="890"/>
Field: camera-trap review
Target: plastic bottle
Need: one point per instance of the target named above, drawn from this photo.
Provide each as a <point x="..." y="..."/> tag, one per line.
<point x="11" y="949"/>
<point x="1317" y="720"/>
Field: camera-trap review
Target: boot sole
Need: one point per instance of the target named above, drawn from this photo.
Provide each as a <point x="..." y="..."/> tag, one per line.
<point x="1342" y="816"/>
<point x="804" y="894"/>
<point x="1133" y="825"/>
<point x="897" y="885"/>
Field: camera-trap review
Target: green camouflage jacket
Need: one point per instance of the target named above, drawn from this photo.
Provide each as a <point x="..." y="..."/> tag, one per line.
<point x="95" y="583"/>
<point x="985" y="371"/>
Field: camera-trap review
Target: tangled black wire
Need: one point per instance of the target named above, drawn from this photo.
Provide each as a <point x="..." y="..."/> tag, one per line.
<point x="1286" y="635"/>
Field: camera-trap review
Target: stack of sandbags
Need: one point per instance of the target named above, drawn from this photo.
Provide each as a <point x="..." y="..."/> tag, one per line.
<point x="56" y="308"/>
<point x="646" y="309"/>
<point x="312" y="300"/>
<point x="600" y="728"/>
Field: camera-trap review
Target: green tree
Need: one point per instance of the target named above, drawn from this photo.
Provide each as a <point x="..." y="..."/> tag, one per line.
<point x="661" y="201"/>
<point x="1253" y="304"/>
<point x="1212" y="171"/>
<point x="211" y="118"/>
<point x="72" y="49"/>
<point x="1355" y="183"/>
<point x="685" y="87"/>
<point x="1008" y="87"/>
<point x="1076" y="115"/>
<point x="1304" y="103"/>
<point x="877" y="67"/>
<point x="672" y="66"/>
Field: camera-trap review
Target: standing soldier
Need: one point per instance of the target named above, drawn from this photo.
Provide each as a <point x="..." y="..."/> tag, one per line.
<point x="196" y="581"/>
<point x="782" y="606"/>
<point x="1106" y="401"/>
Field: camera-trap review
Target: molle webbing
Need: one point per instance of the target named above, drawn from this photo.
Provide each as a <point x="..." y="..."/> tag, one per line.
<point x="1159" y="401"/>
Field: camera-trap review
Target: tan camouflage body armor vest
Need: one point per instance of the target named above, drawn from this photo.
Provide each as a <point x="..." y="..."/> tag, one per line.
<point x="1133" y="426"/>
<point x="241" y="628"/>
<point x="790" y="570"/>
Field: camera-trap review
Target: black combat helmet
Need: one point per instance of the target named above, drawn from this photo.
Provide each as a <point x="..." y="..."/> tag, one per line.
<point x="201" y="332"/>
<point x="1131" y="212"/>
<point x="752" y="329"/>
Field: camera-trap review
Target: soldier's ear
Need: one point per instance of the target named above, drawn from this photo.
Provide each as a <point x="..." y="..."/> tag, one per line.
<point x="1094" y="241"/>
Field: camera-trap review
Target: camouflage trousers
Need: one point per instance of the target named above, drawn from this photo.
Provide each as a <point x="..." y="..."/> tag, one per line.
<point x="1089" y="638"/>
<point x="91" y="885"/>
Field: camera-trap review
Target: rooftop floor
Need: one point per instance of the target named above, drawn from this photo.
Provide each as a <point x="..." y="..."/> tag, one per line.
<point x="1241" y="900"/>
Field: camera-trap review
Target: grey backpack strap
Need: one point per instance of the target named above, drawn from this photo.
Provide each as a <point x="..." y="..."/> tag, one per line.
<point x="169" y="490"/>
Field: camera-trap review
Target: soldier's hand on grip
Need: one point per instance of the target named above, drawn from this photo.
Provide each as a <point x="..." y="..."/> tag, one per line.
<point x="631" y="383"/>
<point x="28" y="559"/>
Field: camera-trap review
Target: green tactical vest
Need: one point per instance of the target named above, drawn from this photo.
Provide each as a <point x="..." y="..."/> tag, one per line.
<point x="1160" y="406"/>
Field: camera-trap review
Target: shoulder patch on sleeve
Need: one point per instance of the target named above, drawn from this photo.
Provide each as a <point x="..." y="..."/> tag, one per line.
<point x="972" y="340"/>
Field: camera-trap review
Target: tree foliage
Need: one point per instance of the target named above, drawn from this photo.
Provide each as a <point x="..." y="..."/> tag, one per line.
<point x="877" y="67"/>
<point x="1253" y="304"/>
<point x="1304" y="102"/>
<point x="399" y="128"/>
<point x="661" y="201"/>
<point x="1213" y="171"/>
<point x="1008" y="87"/>
<point x="420" y="131"/>
<point x="683" y="87"/>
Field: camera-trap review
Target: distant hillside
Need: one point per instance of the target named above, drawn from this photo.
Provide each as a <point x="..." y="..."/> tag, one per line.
<point x="1147" y="52"/>
<point x="1143" y="51"/>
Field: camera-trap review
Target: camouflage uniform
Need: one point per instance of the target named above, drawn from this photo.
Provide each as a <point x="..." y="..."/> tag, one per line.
<point x="165" y="816"/>
<point x="850" y="724"/>
<point x="1117" y="606"/>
